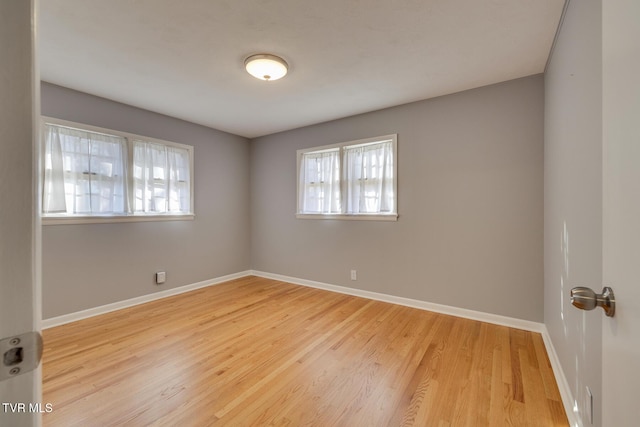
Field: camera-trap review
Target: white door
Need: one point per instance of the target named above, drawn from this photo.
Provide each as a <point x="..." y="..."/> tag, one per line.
<point x="20" y="401"/>
<point x="621" y="210"/>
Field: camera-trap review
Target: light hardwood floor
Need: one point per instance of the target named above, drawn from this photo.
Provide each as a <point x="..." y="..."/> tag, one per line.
<point x="255" y="351"/>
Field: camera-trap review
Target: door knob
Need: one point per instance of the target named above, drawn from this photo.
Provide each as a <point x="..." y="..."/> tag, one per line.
<point x="587" y="299"/>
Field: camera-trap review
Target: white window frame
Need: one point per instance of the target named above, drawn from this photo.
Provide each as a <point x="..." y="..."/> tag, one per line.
<point x="64" y="218"/>
<point x="350" y="216"/>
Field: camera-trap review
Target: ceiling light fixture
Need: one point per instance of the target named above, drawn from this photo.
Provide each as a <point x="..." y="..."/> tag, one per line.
<point x="266" y="67"/>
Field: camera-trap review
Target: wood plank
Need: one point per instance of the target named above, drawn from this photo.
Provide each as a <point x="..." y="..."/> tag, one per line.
<point x="255" y="351"/>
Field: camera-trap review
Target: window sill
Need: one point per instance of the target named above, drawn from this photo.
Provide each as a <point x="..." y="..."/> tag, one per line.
<point x="68" y="220"/>
<point x="351" y="217"/>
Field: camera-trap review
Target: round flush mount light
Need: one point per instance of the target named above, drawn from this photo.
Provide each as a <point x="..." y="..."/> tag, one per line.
<point x="266" y="67"/>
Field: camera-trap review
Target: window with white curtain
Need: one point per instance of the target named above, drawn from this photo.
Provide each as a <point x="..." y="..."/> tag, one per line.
<point x="160" y="178"/>
<point x="99" y="175"/>
<point x="320" y="182"/>
<point x="351" y="180"/>
<point x="84" y="172"/>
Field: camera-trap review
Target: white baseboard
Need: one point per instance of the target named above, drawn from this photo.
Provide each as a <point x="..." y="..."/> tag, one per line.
<point x="424" y="305"/>
<point x="563" y="385"/>
<point x="79" y="315"/>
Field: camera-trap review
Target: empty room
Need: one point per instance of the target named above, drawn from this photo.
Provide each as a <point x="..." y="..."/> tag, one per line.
<point x="338" y="213"/>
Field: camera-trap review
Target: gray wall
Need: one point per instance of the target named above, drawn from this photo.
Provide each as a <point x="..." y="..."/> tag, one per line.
<point x="573" y="197"/>
<point x="470" y="203"/>
<point x="85" y="266"/>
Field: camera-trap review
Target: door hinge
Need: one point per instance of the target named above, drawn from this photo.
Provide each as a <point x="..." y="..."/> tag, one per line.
<point x="20" y="354"/>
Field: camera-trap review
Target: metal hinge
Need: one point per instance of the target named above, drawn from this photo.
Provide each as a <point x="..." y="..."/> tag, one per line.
<point x="20" y="354"/>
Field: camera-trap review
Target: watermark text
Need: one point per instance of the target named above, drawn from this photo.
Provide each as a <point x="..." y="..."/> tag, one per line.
<point x="20" y="407"/>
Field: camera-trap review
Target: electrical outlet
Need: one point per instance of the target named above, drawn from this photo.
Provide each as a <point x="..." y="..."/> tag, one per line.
<point x="161" y="277"/>
<point x="354" y="275"/>
<point x="589" y="408"/>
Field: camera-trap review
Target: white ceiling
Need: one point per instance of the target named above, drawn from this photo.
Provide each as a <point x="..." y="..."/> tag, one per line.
<point x="185" y="58"/>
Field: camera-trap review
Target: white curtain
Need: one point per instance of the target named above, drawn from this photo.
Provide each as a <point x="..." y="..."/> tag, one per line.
<point x="53" y="197"/>
<point x="161" y="179"/>
<point x="368" y="175"/>
<point x="320" y="183"/>
<point x="179" y="175"/>
<point x="84" y="172"/>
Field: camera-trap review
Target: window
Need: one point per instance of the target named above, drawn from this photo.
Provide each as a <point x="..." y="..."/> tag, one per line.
<point x="352" y="180"/>
<point x="160" y="178"/>
<point x="84" y="172"/>
<point x="320" y="182"/>
<point x="97" y="175"/>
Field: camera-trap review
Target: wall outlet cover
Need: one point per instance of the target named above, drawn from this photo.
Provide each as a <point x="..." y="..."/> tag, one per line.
<point x="589" y="408"/>
<point x="161" y="277"/>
